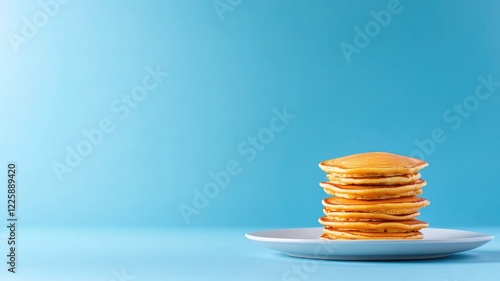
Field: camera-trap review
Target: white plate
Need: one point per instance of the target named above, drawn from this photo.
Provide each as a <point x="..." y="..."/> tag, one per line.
<point x="305" y="243"/>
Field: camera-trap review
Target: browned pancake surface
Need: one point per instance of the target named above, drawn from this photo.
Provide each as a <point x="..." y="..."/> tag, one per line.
<point x="389" y="180"/>
<point x="396" y="206"/>
<point x="333" y="234"/>
<point x="370" y="192"/>
<point x="374" y="226"/>
<point x="373" y="164"/>
<point x="357" y="216"/>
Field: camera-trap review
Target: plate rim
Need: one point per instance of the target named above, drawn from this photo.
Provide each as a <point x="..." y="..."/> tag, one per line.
<point x="478" y="237"/>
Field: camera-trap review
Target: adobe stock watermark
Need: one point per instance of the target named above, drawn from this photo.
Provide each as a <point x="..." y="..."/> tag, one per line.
<point x="30" y="27"/>
<point x="121" y="108"/>
<point x="300" y="272"/>
<point x="363" y="37"/>
<point x="307" y="267"/>
<point x="455" y="116"/>
<point x="247" y="149"/>
<point x="223" y="6"/>
<point x="121" y="276"/>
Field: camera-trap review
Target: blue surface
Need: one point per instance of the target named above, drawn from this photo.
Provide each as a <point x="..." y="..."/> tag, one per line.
<point x="217" y="254"/>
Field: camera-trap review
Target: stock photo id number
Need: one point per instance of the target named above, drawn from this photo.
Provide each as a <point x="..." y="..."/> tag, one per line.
<point x="12" y="218"/>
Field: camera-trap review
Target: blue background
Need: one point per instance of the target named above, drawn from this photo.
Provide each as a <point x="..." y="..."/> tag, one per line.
<point x="226" y="75"/>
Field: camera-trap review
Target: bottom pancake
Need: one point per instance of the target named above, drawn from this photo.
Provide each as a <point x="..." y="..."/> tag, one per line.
<point x="335" y="234"/>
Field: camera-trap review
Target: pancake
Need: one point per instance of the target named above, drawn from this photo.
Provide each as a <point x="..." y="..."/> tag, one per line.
<point x="366" y="192"/>
<point x="390" y="180"/>
<point x="356" y="216"/>
<point x="394" y="206"/>
<point x="374" y="197"/>
<point x="373" y="164"/>
<point x="374" y="226"/>
<point x="333" y="234"/>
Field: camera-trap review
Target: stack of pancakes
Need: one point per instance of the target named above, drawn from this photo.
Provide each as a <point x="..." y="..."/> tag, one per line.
<point x="374" y="197"/>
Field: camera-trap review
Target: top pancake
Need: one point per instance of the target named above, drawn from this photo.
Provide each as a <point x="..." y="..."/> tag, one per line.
<point x="373" y="164"/>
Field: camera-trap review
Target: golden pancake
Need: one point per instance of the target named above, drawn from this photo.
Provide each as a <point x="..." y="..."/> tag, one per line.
<point x="366" y="192"/>
<point x="375" y="197"/>
<point x="374" y="226"/>
<point x="392" y="180"/>
<point x="373" y="164"/>
<point x="356" y="216"/>
<point x="394" y="206"/>
<point x="333" y="234"/>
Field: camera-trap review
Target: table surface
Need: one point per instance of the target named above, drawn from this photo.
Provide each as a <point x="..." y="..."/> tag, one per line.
<point x="213" y="254"/>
